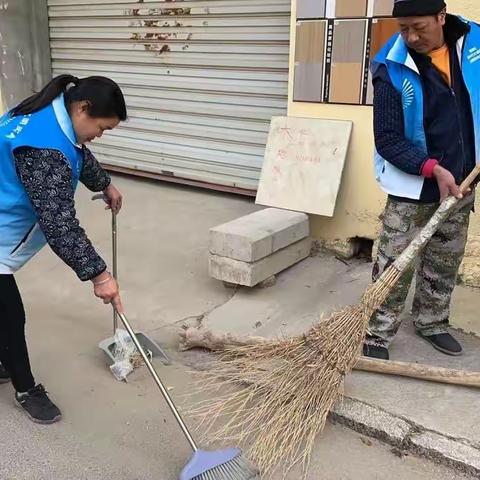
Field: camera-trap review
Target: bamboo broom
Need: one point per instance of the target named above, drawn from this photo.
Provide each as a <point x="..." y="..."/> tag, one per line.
<point x="277" y="395"/>
<point x="195" y="337"/>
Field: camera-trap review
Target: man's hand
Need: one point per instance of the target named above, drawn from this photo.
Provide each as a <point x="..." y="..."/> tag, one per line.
<point x="113" y="198"/>
<point x="446" y="183"/>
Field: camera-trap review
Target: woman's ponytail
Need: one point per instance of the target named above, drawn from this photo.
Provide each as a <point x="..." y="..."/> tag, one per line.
<point x="45" y="97"/>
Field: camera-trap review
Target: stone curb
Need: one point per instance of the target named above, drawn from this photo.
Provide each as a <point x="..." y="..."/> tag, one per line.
<point x="375" y="422"/>
<point x="449" y="451"/>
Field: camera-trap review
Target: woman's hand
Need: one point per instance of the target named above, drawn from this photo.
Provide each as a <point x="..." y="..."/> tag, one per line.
<point x="106" y="288"/>
<point x="113" y="198"/>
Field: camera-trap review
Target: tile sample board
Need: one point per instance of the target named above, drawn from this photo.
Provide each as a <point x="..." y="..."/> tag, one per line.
<point x="335" y="43"/>
<point x="309" y="61"/>
<point x="345" y="71"/>
<point x="303" y="165"/>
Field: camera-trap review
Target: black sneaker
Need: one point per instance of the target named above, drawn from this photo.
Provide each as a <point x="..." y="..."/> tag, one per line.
<point x="375" y="351"/>
<point x="38" y="406"/>
<point x="444" y="343"/>
<point x="4" y="375"/>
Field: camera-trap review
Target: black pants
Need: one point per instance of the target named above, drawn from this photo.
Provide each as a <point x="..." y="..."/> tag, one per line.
<point x="13" y="346"/>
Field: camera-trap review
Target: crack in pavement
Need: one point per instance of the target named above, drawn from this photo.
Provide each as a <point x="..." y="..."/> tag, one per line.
<point x="200" y="317"/>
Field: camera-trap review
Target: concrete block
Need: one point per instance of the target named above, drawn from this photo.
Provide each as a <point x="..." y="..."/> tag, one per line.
<point x="250" y="274"/>
<point x="447" y="450"/>
<point x="258" y="235"/>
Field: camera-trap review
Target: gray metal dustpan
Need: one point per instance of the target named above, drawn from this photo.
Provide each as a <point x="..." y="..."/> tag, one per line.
<point x="109" y="345"/>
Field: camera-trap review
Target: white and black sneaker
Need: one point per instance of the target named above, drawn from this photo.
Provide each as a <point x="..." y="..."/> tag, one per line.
<point x="38" y="406"/>
<point x="4" y="375"/>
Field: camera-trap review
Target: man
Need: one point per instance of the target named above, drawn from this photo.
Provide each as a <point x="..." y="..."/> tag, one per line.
<point x="426" y="121"/>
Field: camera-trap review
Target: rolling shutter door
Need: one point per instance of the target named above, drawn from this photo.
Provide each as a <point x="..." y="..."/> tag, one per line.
<point x="202" y="79"/>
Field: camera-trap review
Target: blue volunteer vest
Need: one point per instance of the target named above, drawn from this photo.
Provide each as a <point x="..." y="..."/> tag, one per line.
<point x="50" y="128"/>
<point x="406" y="79"/>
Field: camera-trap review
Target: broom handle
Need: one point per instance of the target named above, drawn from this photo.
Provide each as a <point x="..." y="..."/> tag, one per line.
<point x="421" y="372"/>
<point x="446" y="207"/>
<point x="159" y="382"/>
<point x="101" y="196"/>
<point x="114" y="263"/>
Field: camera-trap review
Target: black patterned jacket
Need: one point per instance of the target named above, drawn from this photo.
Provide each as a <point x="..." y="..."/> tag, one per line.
<point x="47" y="178"/>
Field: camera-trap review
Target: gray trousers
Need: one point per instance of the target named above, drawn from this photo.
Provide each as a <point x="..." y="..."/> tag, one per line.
<point x="436" y="269"/>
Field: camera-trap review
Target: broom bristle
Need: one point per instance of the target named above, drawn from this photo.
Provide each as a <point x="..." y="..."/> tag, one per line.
<point x="274" y="398"/>
<point x="237" y="469"/>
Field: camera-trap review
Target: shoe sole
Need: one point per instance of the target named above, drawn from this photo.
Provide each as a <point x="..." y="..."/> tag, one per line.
<point x="35" y="420"/>
<point x="366" y="355"/>
<point x="440" y="349"/>
<point x="377" y="358"/>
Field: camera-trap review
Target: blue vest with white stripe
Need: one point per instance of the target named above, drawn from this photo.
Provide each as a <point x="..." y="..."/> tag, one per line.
<point x="50" y="128"/>
<point x="406" y="79"/>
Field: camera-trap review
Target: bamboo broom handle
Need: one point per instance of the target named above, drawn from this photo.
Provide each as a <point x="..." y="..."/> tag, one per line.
<point x="412" y="251"/>
<point x="421" y="372"/>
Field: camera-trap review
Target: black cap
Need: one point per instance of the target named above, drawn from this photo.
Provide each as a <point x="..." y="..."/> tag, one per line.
<point x="417" y="8"/>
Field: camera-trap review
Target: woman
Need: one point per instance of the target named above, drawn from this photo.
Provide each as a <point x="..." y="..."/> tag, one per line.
<point x="42" y="158"/>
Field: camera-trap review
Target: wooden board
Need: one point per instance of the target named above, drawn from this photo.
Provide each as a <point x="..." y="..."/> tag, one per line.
<point x="350" y="8"/>
<point x="303" y="165"/>
<point x="346" y="82"/>
<point x="310" y="9"/>
<point x="310" y="41"/>
<point x="348" y="53"/>
<point x="308" y="82"/>
<point x="382" y="30"/>
<point x="309" y="58"/>
<point x="377" y="8"/>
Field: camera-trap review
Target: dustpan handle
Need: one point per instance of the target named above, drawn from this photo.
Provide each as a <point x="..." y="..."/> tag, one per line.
<point x="159" y="382"/>
<point x="443" y="212"/>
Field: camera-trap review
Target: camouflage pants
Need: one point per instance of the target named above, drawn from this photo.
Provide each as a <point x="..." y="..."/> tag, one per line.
<point x="436" y="269"/>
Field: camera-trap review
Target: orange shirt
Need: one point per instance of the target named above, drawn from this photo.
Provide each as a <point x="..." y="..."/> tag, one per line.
<point x="441" y="59"/>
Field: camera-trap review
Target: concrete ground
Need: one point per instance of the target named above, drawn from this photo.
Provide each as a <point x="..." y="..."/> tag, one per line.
<point x="124" y="431"/>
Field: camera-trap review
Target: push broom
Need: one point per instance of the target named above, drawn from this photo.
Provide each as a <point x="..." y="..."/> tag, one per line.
<point x="226" y="464"/>
<point x="277" y="395"/>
